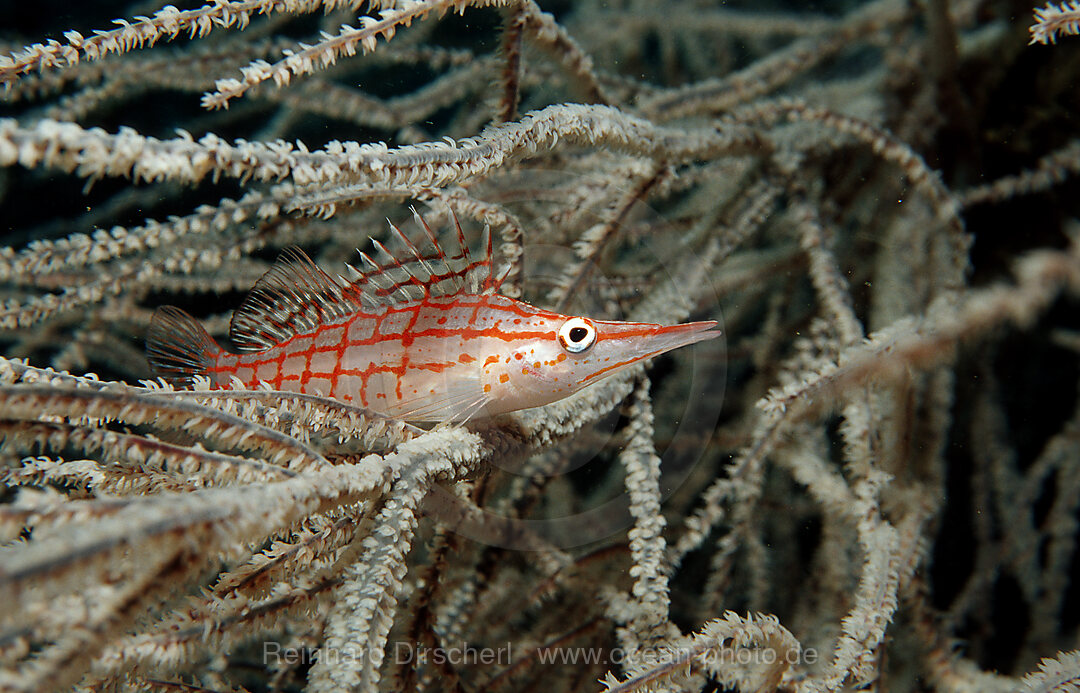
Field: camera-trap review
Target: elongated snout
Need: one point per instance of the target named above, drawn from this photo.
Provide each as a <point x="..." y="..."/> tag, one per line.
<point x="646" y="339"/>
<point x="630" y="342"/>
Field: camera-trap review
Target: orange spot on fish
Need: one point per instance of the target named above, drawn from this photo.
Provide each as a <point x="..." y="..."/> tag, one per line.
<point x="442" y="320"/>
<point x="536" y="365"/>
<point x="504" y="377"/>
<point x="487" y="388"/>
<point x="490" y="360"/>
<point x="560" y="358"/>
<point x="519" y="356"/>
<point x="465" y="358"/>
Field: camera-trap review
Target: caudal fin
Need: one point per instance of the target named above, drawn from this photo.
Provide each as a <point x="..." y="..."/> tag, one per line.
<point x="178" y="347"/>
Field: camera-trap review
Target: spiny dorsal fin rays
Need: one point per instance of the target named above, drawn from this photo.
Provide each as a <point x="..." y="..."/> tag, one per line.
<point x="427" y="230"/>
<point x="387" y="257"/>
<point x="501" y="276"/>
<point x="461" y="240"/>
<point x="374" y="267"/>
<point x="402" y="276"/>
<point x="489" y="279"/>
<point x="438" y="254"/>
<point x="411" y="247"/>
<point x="294" y="296"/>
<point x="427" y="273"/>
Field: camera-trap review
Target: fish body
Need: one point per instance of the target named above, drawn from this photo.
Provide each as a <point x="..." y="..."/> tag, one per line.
<point x="428" y="339"/>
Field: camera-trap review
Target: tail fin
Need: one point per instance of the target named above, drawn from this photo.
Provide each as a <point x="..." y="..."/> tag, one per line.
<point x="178" y="347"/>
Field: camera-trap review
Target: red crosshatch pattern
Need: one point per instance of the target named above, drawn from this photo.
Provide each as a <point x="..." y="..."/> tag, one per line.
<point x="456" y="350"/>
<point x="388" y="355"/>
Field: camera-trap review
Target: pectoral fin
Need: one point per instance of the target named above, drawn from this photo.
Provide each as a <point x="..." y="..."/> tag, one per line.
<point x="459" y="401"/>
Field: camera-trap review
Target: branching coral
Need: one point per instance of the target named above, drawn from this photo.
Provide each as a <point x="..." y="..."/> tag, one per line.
<point x="872" y="482"/>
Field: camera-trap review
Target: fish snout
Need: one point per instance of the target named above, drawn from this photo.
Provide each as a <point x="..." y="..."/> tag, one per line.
<point x="646" y="339"/>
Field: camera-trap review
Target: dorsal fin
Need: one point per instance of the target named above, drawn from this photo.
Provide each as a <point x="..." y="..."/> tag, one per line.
<point x="386" y="279"/>
<point x="293" y="297"/>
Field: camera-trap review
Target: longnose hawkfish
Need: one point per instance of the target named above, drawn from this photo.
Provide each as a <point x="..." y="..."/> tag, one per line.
<point x="424" y="339"/>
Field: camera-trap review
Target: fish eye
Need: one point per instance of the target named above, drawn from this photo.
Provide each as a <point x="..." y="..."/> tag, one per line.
<point x="576" y="335"/>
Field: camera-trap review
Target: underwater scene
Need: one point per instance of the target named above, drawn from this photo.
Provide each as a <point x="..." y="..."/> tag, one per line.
<point x="514" y="345"/>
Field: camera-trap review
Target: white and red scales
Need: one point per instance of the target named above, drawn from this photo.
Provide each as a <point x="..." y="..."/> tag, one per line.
<point x="424" y="339"/>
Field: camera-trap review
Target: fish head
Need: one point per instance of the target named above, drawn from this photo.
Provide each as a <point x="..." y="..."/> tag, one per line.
<point x="577" y="353"/>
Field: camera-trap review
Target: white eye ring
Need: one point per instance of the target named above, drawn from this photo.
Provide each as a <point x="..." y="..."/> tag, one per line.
<point x="576" y="335"/>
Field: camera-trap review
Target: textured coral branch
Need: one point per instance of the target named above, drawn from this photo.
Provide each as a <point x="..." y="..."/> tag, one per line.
<point x="328" y="51"/>
<point x="94" y="153"/>
<point x="1054" y="19"/>
<point x="166" y="24"/>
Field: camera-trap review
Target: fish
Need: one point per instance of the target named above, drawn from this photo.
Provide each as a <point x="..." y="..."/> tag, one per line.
<point x="424" y="338"/>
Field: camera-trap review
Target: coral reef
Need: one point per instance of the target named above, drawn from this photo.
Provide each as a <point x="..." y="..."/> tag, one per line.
<point x="871" y="482"/>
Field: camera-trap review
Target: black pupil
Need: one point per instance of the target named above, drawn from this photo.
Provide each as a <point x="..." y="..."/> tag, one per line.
<point x="578" y="333"/>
